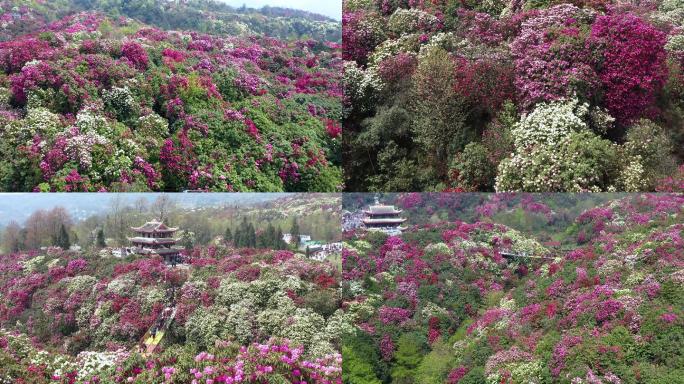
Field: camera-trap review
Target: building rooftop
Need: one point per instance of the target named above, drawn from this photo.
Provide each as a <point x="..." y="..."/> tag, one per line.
<point x="384" y="218"/>
<point x="382" y="209"/>
<point x="154" y="226"/>
<point x="151" y="240"/>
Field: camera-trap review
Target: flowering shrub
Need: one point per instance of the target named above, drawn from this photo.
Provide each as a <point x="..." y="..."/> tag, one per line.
<point x="135" y="54"/>
<point x="556" y="151"/>
<point x="632" y="65"/>
<point x="361" y="33"/>
<point x="550" y="56"/>
<point x="225" y="362"/>
<point x="411" y="21"/>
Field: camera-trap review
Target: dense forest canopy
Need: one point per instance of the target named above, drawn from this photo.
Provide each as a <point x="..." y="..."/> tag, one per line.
<point x="535" y="96"/>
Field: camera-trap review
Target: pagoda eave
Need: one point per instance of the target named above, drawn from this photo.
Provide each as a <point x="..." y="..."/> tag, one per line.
<point x="144" y="230"/>
<point x="153" y="240"/>
<point x="388" y="212"/>
<point x="383" y="221"/>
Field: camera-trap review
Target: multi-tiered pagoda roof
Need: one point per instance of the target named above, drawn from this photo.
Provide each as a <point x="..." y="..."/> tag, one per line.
<point x="384" y="218"/>
<point x="155" y="237"/>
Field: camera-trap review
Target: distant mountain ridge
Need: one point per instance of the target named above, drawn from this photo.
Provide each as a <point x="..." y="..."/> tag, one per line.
<point x="25" y="16"/>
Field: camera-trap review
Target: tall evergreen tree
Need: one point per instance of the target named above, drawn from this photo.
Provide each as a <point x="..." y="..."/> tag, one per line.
<point x="408" y="356"/>
<point x="100" y="242"/>
<point x="294" y="231"/>
<point x="251" y="236"/>
<point x="270" y="235"/>
<point x="280" y="243"/>
<point x="265" y="238"/>
<point x="262" y="240"/>
<point x="63" y="238"/>
<point x="228" y="236"/>
<point x="241" y="238"/>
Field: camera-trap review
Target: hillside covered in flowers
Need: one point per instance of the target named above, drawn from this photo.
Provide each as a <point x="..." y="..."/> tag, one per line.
<point x="480" y="302"/>
<point x="241" y="315"/>
<point x="549" y="218"/>
<point x="208" y="16"/>
<point x="513" y="95"/>
<point x="92" y="103"/>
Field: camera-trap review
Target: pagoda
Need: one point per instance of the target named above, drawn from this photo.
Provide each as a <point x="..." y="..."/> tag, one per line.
<point x="155" y="238"/>
<point x="383" y="218"/>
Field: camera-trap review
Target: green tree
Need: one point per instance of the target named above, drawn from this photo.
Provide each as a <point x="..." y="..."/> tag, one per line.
<point x="439" y="127"/>
<point x="474" y="376"/>
<point x="100" y="241"/>
<point x="408" y="357"/>
<point x="241" y="238"/>
<point x="360" y="359"/>
<point x="357" y="369"/>
<point x="294" y="231"/>
<point x="12" y="237"/>
<point x="62" y="239"/>
<point x="265" y="238"/>
<point x="472" y="169"/>
<point x="228" y="236"/>
<point x="280" y="243"/>
<point x="188" y="240"/>
<point x="251" y="236"/>
<point x="436" y="365"/>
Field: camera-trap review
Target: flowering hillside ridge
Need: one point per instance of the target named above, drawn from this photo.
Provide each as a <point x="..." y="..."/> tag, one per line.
<point x="214" y="17"/>
<point x="459" y="303"/>
<point x="92" y="104"/>
<point x="240" y="316"/>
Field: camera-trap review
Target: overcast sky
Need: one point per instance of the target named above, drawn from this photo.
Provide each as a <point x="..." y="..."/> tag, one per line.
<point x="18" y="206"/>
<point x="331" y="8"/>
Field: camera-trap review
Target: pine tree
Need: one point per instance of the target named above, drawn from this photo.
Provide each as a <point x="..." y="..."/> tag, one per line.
<point x="408" y="356"/>
<point x="251" y="236"/>
<point x="228" y="236"/>
<point x="63" y="238"/>
<point x="101" y="243"/>
<point x="241" y="238"/>
<point x="294" y="231"/>
<point x="269" y="236"/>
<point x="280" y="243"/>
<point x="237" y="237"/>
<point x="262" y="240"/>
